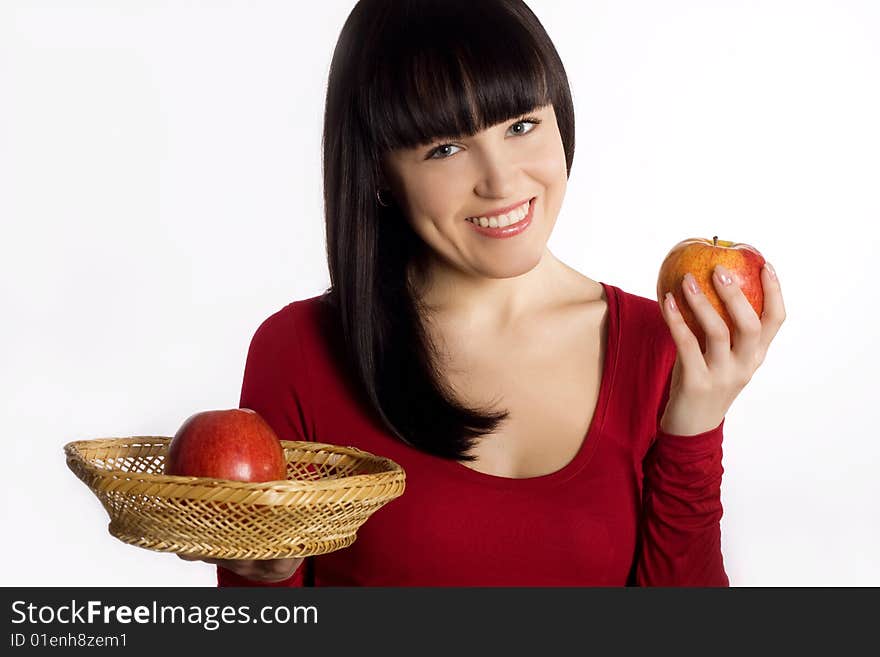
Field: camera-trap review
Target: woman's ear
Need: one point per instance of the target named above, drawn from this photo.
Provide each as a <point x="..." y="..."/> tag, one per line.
<point x="384" y="185"/>
<point x="382" y="178"/>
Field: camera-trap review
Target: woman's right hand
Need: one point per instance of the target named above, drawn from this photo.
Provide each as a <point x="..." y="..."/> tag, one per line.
<point x="257" y="570"/>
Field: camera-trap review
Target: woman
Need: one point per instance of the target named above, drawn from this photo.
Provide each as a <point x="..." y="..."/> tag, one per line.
<point x="555" y="430"/>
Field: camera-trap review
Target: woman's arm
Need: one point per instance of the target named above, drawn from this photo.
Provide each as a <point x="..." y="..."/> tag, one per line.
<point x="681" y="520"/>
<point x="680" y="542"/>
<point x="274" y="384"/>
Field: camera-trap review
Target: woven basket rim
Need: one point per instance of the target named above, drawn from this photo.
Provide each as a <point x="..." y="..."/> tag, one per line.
<point x="233" y="519"/>
<point x="392" y="469"/>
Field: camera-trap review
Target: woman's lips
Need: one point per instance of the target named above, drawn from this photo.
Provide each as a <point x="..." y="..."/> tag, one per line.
<point x="507" y="231"/>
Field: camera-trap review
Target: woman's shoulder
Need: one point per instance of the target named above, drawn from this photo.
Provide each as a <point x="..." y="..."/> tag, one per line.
<point x="299" y="313"/>
<point x="641" y="319"/>
<point x="636" y="304"/>
<point x="300" y="321"/>
<point x="635" y="318"/>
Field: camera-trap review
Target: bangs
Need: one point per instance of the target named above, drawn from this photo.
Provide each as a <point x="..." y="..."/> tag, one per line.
<point x="449" y="71"/>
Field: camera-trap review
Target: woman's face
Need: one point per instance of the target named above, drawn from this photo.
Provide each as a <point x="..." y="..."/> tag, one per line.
<point x="517" y="165"/>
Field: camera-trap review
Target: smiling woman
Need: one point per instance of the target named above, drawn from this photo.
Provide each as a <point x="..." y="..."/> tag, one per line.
<point x="448" y="143"/>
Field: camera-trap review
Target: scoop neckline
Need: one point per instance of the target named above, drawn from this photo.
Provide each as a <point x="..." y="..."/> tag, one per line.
<point x="594" y="432"/>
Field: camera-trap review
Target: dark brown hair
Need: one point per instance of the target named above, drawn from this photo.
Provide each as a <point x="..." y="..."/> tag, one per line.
<point x="406" y="73"/>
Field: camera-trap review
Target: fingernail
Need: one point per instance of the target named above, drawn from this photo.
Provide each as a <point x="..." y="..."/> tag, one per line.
<point x="770" y="270"/>
<point x="670" y="301"/>
<point x="691" y="282"/>
<point x="723" y="275"/>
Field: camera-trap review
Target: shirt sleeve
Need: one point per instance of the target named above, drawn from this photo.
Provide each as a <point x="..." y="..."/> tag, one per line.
<point x="272" y="386"/>
<point x="681" y="520"/>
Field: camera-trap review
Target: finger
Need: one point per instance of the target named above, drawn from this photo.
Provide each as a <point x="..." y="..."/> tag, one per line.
<point x="241" y="567"/>
<point x="686" y="343"/>
<point x="715" y="328"/>
<point x="286" y="566"/>
<point x="746" y="323"/>
<point x="237" y="565"/>
<point x="261" y="570"/>
<point x="281" y="570"/>
<point x="193" y="557"/>
<point x="774" y="307"/>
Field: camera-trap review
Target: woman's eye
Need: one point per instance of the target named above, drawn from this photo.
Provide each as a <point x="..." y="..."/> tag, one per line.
<point x="439" y="151"/>
<point x="442" y="152"/>
<point x="524" y="122"/>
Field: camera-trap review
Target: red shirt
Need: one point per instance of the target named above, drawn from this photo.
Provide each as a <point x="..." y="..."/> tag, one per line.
<point x="634" y="506"/>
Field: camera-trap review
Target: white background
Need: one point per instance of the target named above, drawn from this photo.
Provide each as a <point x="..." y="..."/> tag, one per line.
<point x="160" y="195"/>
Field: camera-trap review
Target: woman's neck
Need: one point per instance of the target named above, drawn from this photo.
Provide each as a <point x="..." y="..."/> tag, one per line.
<point x="490" y="305"/>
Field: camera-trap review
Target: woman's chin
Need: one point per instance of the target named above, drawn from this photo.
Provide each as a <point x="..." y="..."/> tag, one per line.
<point x="511" y="266"/>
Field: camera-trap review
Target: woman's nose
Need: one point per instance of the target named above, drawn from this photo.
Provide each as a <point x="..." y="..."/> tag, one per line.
<point x="495" y="177"/>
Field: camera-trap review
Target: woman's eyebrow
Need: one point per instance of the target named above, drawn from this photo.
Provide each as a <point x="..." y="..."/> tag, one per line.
<point x="453" y="136"/>
<point x="462" y="136"/>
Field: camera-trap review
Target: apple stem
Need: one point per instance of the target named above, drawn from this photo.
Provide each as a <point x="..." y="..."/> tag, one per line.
<point x="715" y="241"/>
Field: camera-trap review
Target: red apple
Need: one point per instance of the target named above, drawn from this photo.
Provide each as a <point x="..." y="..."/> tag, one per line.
<point x="236" y="444"/>
<point x="700" y="256"/>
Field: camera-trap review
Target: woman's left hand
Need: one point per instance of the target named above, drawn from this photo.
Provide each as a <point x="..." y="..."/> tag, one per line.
<point x="704" y="386"/>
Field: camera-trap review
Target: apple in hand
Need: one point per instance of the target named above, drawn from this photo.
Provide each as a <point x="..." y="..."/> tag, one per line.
<point x="699" y="256"/>
<point x="236" y="444"/>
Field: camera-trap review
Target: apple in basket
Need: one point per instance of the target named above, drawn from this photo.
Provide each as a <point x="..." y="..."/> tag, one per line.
<point x="235" y="444"/>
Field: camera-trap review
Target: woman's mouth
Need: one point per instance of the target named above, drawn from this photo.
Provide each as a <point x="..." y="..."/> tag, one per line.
<point x="505" y="225"/>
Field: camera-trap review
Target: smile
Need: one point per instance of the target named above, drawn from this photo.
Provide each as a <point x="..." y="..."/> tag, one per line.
<point x="502" y="220"/>
<point x="511" y="224"/>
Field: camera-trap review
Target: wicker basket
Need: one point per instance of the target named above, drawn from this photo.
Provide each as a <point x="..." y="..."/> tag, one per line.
<point x="329" y="493"/>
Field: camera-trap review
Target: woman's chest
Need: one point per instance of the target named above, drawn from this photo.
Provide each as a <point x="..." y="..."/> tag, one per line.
<point x="446" y="531"/>
<point x="549" y="381"/>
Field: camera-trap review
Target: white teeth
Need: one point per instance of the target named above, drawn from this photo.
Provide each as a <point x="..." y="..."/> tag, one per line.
<point x="503" y="220"/>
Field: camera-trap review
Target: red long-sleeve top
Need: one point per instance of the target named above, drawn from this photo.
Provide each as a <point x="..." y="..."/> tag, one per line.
<point x="635" y="506"/>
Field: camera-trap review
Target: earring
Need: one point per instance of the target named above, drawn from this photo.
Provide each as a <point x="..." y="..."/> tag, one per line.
<point x="379" y="198"/>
